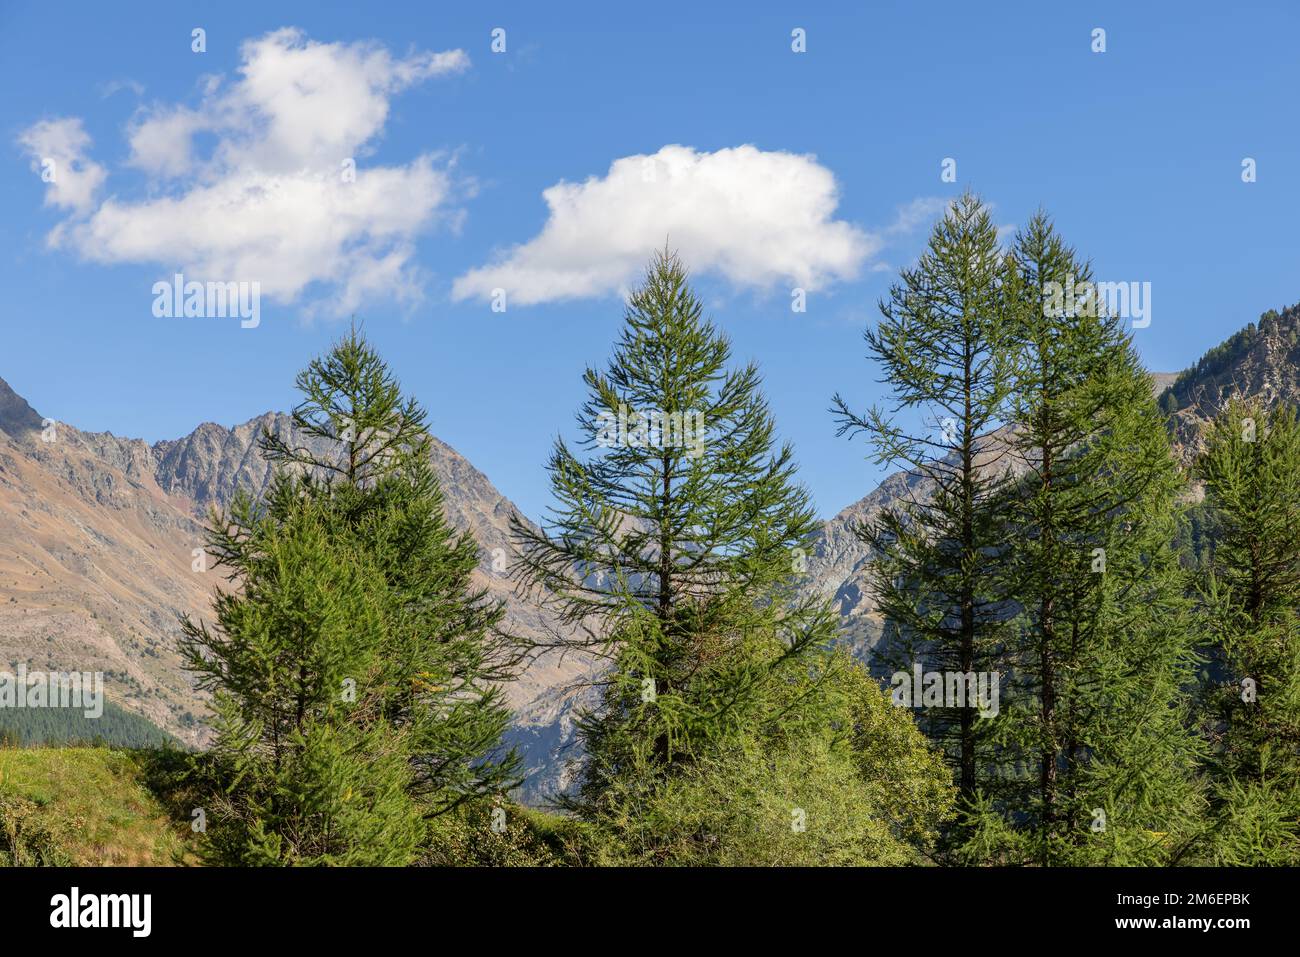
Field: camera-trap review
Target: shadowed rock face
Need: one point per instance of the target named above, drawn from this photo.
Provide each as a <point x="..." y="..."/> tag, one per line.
<point x="15" y="414"/>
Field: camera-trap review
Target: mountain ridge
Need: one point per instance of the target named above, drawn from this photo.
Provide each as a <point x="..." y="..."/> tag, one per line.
<point x="1259" y="360"/>
<point x="104" y="529"/>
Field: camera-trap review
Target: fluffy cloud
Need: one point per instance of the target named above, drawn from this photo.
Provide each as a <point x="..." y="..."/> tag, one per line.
<point x="58" y="152"/>
<point x="756" y="218"/>
<point x="271" y="198"/>
<point x="297" y="105"/>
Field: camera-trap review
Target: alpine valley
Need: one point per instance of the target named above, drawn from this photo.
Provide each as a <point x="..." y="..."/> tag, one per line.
<point x="100" y="541"/>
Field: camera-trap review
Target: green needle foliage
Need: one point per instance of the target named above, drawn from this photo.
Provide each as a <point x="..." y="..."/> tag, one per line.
<point x="943" y="345"/>
<point x="863" y="789"/>
<point x="1095" y="744"/>
<point x="671" y="554"/>
<point x="355" y="671"/>
<point x="1251" y="604"/>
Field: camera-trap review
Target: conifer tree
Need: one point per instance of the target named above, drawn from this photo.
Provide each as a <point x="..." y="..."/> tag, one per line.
<point x="357" y="442"/>
<point x="299" y="776"/>
<point x="1251" y="606"/>
<point x="398" y="676"/>
<point x="672" y="550"/>
<point x="1100" y="646"/>
<point x="943" y="346"/>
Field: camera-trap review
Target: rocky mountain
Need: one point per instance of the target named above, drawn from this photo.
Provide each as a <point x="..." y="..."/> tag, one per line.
<point x="98" y="560"/>
<point x="839" y="561"/>
<point x="1261" y="360"/>
<point x="97" y="539"/>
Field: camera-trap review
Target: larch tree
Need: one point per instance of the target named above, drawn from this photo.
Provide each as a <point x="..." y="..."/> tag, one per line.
<point x="943" y="346"/>
<point x="357" y="657"/>
<point x="672" y="551"/>
<point x="1251" y="611"/>
<point x="1100" y="648"/>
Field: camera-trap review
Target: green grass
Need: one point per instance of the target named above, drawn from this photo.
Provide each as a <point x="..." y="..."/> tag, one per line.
<point x="89" y="806"/>
<point x="98" y="806"/>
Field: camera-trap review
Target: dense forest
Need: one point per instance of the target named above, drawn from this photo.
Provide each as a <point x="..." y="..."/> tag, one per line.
<point x="45" y="727"/>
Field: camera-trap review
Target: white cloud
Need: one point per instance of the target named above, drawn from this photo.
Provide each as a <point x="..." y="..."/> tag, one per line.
<point x="298" y="104"/>
<point x="283" y="231"/>
<point x="162" y="141"/>
<point x="756" y="218"/>
<point x="267" y="200"/>
<point x="58" y="151"/>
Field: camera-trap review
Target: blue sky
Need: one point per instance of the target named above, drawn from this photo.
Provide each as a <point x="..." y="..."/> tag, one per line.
<point x="821" y="168"/>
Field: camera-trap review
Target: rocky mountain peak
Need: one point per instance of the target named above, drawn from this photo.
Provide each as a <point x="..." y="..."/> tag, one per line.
<point x="1260" y="361"/>
<point x="16" y="415"/>
<point x="101" y="532"/>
